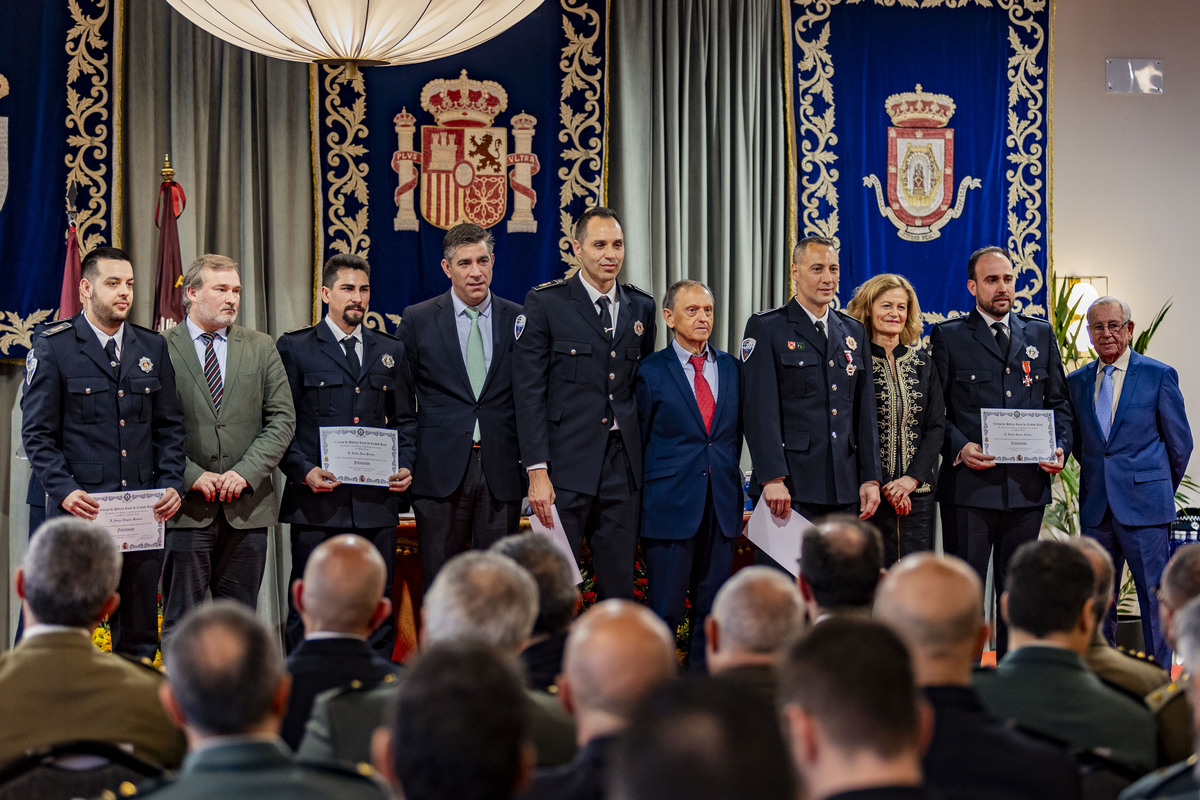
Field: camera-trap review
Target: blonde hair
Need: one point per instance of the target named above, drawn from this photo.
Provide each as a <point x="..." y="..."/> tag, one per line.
<point x="864" y="300"/>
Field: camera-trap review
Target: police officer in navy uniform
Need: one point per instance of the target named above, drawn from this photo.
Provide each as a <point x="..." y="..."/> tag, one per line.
<point x="100" y="414"/>
<point x="808" y="399"/>
<point x="995" y="358"/>
<point x="578" y="344"/>
<point x="344" y="373"/>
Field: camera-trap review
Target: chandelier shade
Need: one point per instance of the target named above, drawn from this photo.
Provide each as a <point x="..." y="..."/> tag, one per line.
<point x="361" y="32"/>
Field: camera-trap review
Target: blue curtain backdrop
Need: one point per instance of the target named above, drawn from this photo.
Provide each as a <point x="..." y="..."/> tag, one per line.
<point x="58" y="94"/>
<point x="989" y="60"/>
<point x="396" y="167"/>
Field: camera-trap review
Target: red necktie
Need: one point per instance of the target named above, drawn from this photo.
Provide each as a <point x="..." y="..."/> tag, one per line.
<point x="704" y="395"/>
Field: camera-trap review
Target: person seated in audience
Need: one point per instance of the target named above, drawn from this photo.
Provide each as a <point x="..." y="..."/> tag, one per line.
<point x="558" y="601"/>
<point x="458" y="727"/>
<point x="1133" y="672"/>
<point x="841" y="562"/>
<point x="340" y="600"/>
<point x="1042" y="683"/>
<point x="754" y="613"/>
<point x="477" y="595"/>
<point x="854" y="718"/>
<point x="1172" y="702"/>
<point x="1178" y="781"/>
<point x="935" y="604"/>
<point x="617" y="654"/>
<point x="55" y="685"/>
<point x="700" y="738"/>
<point x="226" y="688"/>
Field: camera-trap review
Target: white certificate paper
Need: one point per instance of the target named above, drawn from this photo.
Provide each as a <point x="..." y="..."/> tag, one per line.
<point x="778" y="537"/>
<point x="559" y="537"/>
<point x="1018" y="435"/>
<point x="129" y="517"/>
<point x="356" y="454"/>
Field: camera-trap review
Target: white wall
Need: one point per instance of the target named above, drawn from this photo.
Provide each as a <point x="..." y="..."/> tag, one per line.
<point x="1126" y="168"/>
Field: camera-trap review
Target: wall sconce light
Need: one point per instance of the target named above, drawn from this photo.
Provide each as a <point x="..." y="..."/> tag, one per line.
<point x="1082" y="291"/>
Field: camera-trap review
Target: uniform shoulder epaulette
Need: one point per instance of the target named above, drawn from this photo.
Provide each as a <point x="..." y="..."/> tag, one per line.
<point x="361" y="770"/>
<point x="143" y="662"/>
<point x="639" y="290"/>
<point x="1160" y="781"/>
<point x="548" y="284"/>
<point x="301" y="329"/>
<point x="386" y="335"/>
<point x="1165" y="696"/>
<point x="961" y="319"/>
<point x="59" y="328"/>
<point x="767" y="311"/>
<point x="1139" y="655"/>
<point x="144" y="329"/>
<point x="144" y="788"/>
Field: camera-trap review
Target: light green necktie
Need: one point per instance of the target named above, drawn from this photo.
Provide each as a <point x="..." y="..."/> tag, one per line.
<point x="476" y="363"/>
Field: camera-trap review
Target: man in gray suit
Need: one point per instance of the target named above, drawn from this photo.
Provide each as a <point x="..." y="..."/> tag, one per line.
<point x="239" y="419"/>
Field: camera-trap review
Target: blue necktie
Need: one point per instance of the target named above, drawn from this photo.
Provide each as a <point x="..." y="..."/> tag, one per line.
<point x="1104" y="401"/>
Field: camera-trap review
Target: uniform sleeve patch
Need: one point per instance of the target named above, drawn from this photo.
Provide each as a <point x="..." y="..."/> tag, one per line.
<point x="747" y="348"/>
<point x="518" y="327"/>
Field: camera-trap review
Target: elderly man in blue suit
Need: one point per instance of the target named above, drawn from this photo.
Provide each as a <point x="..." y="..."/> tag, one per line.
<point x="687" y="396"/>
<point x="1132" y="442"/>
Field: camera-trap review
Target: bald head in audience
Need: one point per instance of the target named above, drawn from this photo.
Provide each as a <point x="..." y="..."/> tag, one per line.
<point x="1180" y="583"/>
<point x="934" y="603"/>
<point x="617" y="653"/>
<point x="753" y="615"/>
<point x="1102" y="573"/>
<point x="841" y="563"/>
<point x="342" y="588"/>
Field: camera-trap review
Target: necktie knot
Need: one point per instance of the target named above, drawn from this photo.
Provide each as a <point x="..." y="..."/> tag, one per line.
<point x="110" y="350"/>
<point x="471" y="312"/>
<point x="1109" y="369"/>
<point x="208" y="338"/>
<point x="1001" y="337"/>
<point x="604" y="302"/>
<point x="698" y="361"/>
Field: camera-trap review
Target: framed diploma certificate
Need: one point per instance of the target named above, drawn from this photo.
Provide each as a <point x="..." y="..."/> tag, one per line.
<point x="129" y="517"/>
<point x="356" y="454"/>
<point x="1018" y="435"/>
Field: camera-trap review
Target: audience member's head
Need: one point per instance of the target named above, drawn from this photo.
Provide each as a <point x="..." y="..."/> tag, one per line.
<point x="558" y="597"/>
<point x="841" y="562"/>
<point x="754" y="613"/>
<point x="342" y="588"/>
<point x="701" y="739"/>
<point x="1048" y="596"/>
<point x="851" y="707"/>
<point x="1102" y="575"/>
<point x="1180" y="583"/>
<point x="616" y="654"/>
<point x="935" y="604"/>
<point x="1187" y="644"/>
<point x="459" y="727"/>
<point x="69" y="575"/>
<point x="225" y="674"/>
<point x="482" y="596"/>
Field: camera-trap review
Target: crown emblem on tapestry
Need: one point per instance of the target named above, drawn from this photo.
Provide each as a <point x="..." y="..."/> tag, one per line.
<point x="919" y="109"/>
<point x="463" y="101"/>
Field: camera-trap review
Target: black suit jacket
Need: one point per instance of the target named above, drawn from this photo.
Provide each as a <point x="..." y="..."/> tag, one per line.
<point x="446" y="405"/>
<point x="808" y="406"/>
<point x="318" y="665"/>
<point x="975" y="376"/>
<point x="86" y="426"/>
<point x="565" y="368"/>
<point x="584" y="778"/>
<point x="325" y="393"/>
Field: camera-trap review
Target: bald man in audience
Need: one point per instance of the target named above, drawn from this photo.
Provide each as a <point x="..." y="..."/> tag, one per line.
<point x="1042" y="683"/>
<point x="935" y="604"/>
<point x="341" y="601"/>
<point x="477" y="596"/>
<point x="754" y="613"/>
<point x="1130" y="671"/>
<point x="852" y="712"/>
<point x="617" y="654"/>
<point x="1172" y="702"/>
<point x="841" y="562"/>
<point x="55" y="685"/>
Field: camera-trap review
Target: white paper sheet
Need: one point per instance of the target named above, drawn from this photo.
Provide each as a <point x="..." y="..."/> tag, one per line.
<point x="559" y="537"/>
<point x="777" y="537"/>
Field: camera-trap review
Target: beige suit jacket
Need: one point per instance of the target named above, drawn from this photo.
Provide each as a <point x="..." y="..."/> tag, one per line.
<point x="57" y="687"/>
<point x="250" y="433"/>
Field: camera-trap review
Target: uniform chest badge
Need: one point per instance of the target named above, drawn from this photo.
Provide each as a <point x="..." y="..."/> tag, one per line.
<point x="519" y="326"/>
<point x="30" y="367"/>
<point x="388" y="361"/>
<point x="639" y="328"/>
<point x="145" y="364"/>
<point x="849" y="360"/>
<point x="1028" y="379"/>
<point x="1031" y="351"/>
<point x="853" y="345"/>
<point x="747" y="348"/>
<point x="791" y="345"/>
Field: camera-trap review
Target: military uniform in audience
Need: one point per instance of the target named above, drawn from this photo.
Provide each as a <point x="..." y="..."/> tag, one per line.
<point x="1173" y="711"/>
<point x="1135" y="672"/>
<point x="1176" y="782"/>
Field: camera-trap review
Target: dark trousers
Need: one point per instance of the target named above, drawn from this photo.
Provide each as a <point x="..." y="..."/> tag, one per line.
<point x="469" y="517"/>
<point x="305" y="539"/>
<point x="699" y="564"/>
<point x="607" y="520"/>
<point x="1145" y="548"/>
<point x="811" y="512"/>
<point x="134" y="625"/>
<point x="990" y="535"/>
<point x="908" y="534"/>
<point x="218" y="557"/>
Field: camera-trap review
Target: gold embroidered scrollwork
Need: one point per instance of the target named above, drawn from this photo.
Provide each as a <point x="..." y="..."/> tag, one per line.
<point x="346" y="161"/>
<point x="87" y="118"/>
<point x="583" y="131"/>
<point x="17" y="331"/>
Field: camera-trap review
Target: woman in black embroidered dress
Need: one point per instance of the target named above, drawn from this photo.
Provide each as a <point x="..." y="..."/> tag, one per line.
<point x="912" y="413"/>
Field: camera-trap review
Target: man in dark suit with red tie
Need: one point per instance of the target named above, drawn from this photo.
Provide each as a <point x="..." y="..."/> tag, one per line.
<point x="468" y="483"/>
<point x="688" y="406"/>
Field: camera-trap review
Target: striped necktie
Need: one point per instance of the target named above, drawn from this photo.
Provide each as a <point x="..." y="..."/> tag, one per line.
<point x="212" y="370"/>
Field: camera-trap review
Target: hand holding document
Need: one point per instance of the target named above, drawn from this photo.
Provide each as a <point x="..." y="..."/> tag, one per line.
<point x="1018" y="435"/>
<point x="359" y="454"/>
<point x="129" y="517"/>
<point x="559" y="537"/>
<point x="778" y="537"/>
